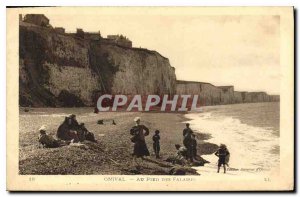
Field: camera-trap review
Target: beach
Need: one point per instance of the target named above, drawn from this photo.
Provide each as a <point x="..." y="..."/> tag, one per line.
<point x="250" y="131"/>
<point x="112" y="153"/>
<point x="213" y="125"/>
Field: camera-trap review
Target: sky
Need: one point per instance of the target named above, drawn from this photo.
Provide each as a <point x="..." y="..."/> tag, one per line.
<point x="238" y="50"/>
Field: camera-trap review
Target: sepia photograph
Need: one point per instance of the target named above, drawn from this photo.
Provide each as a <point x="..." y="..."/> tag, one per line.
<point x="179" y="98"/>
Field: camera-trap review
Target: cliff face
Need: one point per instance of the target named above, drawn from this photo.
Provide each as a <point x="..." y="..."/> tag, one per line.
<point x="62" y="70"/>
<point x="220" y="95"/>
<point x="251" y="97"/>
<point x="238" y="98"/>
<point x="135" y="71"/>
<point x="208" y="93"/>
<point x="59" y="69"/>
<point x="227" y="94"/>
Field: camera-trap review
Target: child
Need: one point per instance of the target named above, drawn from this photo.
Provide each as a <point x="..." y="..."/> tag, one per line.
<point x="156" y="145"/>
<point x="223" y="155"/>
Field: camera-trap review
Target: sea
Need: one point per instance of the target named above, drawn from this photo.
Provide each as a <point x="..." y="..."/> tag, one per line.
<point x="250" y="131"/>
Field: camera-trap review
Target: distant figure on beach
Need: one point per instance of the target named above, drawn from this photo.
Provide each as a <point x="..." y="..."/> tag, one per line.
<point x="189" y="142"/>
<point x="96" y="110"/>
<point x="139" y="132"/>
<point x="100" y="122"/>
<point x="223" y="155"/>
<point x="156" y="144"/>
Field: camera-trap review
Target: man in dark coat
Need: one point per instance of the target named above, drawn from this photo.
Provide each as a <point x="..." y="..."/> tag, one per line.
<point x="188" y="142"/>
<point x="140" y="148"/>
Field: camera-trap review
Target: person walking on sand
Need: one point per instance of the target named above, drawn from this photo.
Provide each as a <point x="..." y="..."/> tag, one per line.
<point x="139" y="132"/>
<point x="156" y="144"/>
<point x="223" y="155"/>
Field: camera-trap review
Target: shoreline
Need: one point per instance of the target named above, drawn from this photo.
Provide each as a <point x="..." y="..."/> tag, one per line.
<point x="112" y="154"/>
<point x="249" y="131"/>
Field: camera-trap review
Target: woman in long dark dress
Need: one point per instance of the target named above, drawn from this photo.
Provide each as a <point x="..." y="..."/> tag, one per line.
<point x="138" y="133"/>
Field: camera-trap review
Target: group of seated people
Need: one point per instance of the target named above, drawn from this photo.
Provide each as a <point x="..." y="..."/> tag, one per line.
<point x="70" y="131"/>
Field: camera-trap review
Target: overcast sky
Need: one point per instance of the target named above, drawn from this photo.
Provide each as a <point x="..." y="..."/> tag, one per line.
<point x="223" y="50"/>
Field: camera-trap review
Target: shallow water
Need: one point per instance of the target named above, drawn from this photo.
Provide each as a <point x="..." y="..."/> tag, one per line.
<point x="250" y="131"/>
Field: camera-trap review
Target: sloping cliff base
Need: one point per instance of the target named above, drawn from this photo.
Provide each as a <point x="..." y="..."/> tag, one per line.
<point x="111" y="154"/>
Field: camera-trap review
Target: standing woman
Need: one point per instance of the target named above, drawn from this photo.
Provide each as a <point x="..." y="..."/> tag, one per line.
<point x="139" y="132"/>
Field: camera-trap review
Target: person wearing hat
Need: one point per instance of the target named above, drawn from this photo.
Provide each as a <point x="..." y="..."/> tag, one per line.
<point x="139" y="132"/>
<point x="223" y="154"/>
<point x="45" y="140"/>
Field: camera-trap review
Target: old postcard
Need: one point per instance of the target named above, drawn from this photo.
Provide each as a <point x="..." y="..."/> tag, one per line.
<point x="150" y="99"/>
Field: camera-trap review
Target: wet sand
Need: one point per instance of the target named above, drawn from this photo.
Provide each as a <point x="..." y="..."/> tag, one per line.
<point x="111" y="154"/>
